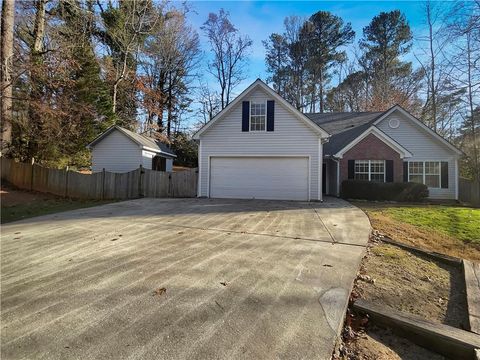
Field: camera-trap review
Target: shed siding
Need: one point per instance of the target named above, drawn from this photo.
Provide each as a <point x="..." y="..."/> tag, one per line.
<point x="424" y="147"/>
<point x="290" y="137"/>
<point x="147" y="157"/>
<point x="116" y="153"/>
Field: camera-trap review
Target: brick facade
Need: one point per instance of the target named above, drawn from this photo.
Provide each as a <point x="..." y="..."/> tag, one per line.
<point x="372" y="148"/>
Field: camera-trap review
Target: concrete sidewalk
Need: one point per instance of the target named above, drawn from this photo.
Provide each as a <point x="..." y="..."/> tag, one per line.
<point x="242" y="279"/>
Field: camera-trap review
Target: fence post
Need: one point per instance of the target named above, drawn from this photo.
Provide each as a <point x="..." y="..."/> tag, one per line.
<point x="31" y="176"/>
<point x="66" y="182"/>
<point x="140" y="181"/>
<point x="103" y="184"/>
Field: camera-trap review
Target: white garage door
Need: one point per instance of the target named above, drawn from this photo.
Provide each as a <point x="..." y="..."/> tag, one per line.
<point x="275" y="178"/>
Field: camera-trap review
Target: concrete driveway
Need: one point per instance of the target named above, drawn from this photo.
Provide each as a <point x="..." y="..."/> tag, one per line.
<point x="180" y="279"/>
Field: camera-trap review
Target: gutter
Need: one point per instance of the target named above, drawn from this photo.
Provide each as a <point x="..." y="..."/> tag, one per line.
<point x="158" y="151"/>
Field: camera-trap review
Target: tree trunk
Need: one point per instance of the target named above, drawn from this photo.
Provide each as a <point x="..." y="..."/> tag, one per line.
<point x="6" y="56"/>
<point x="432" y="65"/>
<point x="169" y="106"/>
<point x="35" y="94"/>
<point x="117" y="82"/>
<point x="472" y="105"/>
<point x="322" y="105"/>
<point x="39" y="28"/>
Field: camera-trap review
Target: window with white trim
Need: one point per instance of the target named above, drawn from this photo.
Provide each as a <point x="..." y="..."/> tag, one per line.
<point x="258" y="116"/>
<point x="370" y="170"/>
<point x="425" y="172"/>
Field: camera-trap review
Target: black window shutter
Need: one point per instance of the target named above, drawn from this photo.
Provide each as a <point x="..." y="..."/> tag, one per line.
<point x="444" y="172"/>
<point x="245" y="115"/>
<point x="270" y="115"/>
<point x="389" y="170"/>
<point x="405" y="171"/>
<point x="351" y="169"/>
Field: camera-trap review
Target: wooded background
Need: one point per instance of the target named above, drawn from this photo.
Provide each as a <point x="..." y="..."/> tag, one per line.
<point x="72" y="68"/>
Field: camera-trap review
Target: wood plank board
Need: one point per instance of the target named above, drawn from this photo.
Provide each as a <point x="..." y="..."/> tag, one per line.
<point x="446" y="340"/>
<point x="433" y="255"/>
<point x="472" y="282"/>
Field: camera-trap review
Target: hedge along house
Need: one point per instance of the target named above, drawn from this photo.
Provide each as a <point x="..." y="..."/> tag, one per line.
<point x="261" y="147"/>
<point x="389" y="146"/>
<point x="120" y="150"/>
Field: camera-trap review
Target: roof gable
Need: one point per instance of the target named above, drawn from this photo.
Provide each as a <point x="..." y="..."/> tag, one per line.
<point x="365" y="131"/>
<point x="259" y="84"/>
<point x="419" y="124"/>
<point x="143" y="142"/>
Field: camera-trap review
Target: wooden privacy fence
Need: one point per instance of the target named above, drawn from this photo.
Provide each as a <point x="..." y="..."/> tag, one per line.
<point x="103" y="185"/>
<point x="469" y="191"/>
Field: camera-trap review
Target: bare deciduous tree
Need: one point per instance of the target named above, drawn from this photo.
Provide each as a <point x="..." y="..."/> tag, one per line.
<point x="230" y="51"/>
<point x="209" y="102"/>
<point x="464" y="30"/>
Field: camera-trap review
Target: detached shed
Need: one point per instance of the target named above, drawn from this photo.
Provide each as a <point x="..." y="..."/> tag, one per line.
<point x="121" y="150"/>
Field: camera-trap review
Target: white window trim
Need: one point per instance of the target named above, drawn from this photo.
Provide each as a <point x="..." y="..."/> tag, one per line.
<point x="423" y="171"/>
<point x="370" y="170"/>
<point x="250" y="118"/>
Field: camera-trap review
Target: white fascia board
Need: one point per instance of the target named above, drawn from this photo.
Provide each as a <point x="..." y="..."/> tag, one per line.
<point x="381" y="136"/>
<point x="273" y="94"/>
<point x="101" y="136"/>
<point x="157" y="151"/>
<point x="418" y="123"/>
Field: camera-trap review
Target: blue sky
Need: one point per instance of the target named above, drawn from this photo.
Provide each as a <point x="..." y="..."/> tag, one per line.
<point x="258" y="19"/>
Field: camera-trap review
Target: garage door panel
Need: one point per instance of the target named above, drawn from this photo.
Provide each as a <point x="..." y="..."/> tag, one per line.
<point x="281" y="178"/>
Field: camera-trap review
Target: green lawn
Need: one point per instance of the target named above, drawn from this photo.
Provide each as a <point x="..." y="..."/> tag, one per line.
<point x="462" y="223"/>
<point x="44" y="207"/>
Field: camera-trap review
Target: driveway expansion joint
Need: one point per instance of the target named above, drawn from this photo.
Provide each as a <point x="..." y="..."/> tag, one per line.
<point x="227" y="231"/>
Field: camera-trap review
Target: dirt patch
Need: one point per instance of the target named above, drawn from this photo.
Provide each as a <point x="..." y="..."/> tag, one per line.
<point x="427" y="239"/>
<point x="11" y="197"/>
<point x="415" y="284"/>
<point x="19" y="204"/>
<point x="177" y="168"/>
<point x="408" y="282"/>
<point x="375" y="343"/>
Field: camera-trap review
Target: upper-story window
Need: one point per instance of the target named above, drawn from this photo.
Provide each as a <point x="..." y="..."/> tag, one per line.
<point x="258" y="116"/>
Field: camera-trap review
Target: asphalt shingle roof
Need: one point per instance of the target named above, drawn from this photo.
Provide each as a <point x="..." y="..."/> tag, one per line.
<point x="337" y="122"/>
<point x="149" y="142"/>
<point x="343" y="126"/>
<point x="142" y="140"/>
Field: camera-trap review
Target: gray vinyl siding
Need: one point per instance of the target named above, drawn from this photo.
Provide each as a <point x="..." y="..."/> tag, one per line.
<point x="169" y="165"/>
<point x="424" y="147"/>
<point x="291" y="137"/>
<point x="116" y="153"/>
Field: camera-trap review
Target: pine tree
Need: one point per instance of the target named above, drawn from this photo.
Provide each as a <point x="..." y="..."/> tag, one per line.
<point x="323" y="37"/>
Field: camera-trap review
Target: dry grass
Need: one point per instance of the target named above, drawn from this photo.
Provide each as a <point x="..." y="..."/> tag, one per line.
<point x="19" y="204"/>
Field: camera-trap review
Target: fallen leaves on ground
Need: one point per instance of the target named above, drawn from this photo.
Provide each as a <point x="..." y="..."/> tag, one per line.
<point x="159" y="291"/>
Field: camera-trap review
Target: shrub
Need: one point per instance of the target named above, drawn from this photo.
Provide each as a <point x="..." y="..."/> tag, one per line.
<point x="368" y="190"/>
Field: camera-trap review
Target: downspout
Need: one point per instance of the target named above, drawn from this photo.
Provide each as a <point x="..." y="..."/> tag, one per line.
<point x="338" y="177"/>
